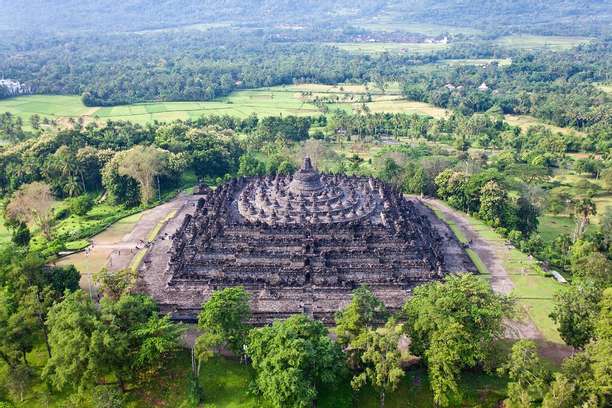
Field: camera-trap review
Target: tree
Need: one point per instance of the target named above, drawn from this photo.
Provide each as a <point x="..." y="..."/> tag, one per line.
<point x="125" y="339"/>
<point x="224" y="316"/>
<point x="588" y="263"/>
<point x="250" y="166"/>
<point x="584" y="379"/>
<point x="363" y="313"/>
<point x="157" y="338"/>
<point x="35" y="121"/>
<point x="72" y="323"/>
<point x="381" y="359"/>
<point x="585" y="208"/>
<point x="575" y="311"/>
<point x="62" y="278"/>
<point x="144" y="164"/>
<point x="132" y="341"/>
<point x="112" y="284"/>
<point x="527" y="375"/>
<point x="445" y="359"/>
<point x="606" y="177"/>
<point x="315" y="149"/>
<point x="121" y="189"/>
<point x="526" y="219"/>
<point x="32" y="203"/>
<point x="292" y="359"/>
<point x="19" y="380"/>
<point x="454" y="324"/>
<point x="19" y="328"/>
<point x="493" y="205"/>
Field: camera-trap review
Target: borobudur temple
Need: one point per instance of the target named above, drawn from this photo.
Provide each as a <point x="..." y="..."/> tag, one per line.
<point x="299" y="244"/>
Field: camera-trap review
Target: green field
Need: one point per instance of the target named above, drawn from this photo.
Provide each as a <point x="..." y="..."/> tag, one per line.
<point x="607" y="87"/>
<point x="553" y="226"/>
<point x="393" y="48"/>
<point x="240" y="104"/>
<point x="274" y="101"/>
<point x="390" y="20"/>
<point x="533" y="42"/>
<point x="280" y="100"/>
<point x="502" y="62"/>
<point x="226" y="384"/>
<point x="525" y="121"/>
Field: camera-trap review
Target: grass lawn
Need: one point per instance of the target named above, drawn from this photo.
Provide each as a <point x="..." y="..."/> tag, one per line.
<point x="525" y="121"/>
<point x="531" y="42"/>
<point x="226" y="384"/>
<point x="553" y="226"/>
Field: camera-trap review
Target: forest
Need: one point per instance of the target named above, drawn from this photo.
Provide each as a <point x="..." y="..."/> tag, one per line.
<point x="573" y="17"/>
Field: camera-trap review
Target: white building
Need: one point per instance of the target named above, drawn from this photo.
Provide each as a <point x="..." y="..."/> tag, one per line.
<point x="14" y="87"/>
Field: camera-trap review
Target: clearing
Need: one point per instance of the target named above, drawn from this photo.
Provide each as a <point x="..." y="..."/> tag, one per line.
<point x="393" y="48"/>
<point x="526" y="121"/>
<point x="535" y="42"/>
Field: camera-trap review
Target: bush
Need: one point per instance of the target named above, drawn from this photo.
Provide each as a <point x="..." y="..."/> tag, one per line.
<point x="53" y="248"/>
<point x="81" y="205"/>
<point x="62" y="214"/>
<point x="108" y="396"/>
<point x="21" y="235"/>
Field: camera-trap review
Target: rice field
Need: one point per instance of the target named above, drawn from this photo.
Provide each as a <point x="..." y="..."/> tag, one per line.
<point x="274" y="101"/>
<point x="534" y="42"/>
<point x="478" y="61"/>
<point x="392" y="48"/>
<point x="263" y="102"/>
<point x="525" y="121"/>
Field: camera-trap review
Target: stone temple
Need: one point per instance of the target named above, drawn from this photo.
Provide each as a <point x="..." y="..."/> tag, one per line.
<point x="298" y="244"/>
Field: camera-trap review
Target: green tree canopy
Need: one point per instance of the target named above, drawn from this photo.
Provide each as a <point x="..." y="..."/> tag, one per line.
<point x="293" y="358"/>
<point x="363" y="313"/>
<point x="454" y="324"/>
<point x="225" y="315"/>
<point x="381" y="359"/>
<point x="528" y="377"/>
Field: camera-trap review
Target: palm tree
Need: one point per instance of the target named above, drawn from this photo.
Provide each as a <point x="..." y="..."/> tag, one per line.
<point x="584" y="209"/>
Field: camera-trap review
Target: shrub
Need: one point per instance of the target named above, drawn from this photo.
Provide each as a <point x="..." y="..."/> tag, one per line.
<point x="81" y="205"/>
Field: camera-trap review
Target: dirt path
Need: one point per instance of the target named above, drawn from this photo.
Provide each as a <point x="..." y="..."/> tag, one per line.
<point x="491" y="253"/>
<point x="115" y="247"/>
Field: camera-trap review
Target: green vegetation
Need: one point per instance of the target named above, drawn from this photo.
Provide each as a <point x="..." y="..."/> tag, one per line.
<point x="241" y="104"/>
<point x="397" y="48"/>
<point x="536" y="42"/>
<point x="500" y="109"/>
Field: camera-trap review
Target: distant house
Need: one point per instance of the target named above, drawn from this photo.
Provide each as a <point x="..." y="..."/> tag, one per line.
<point x="483" y="87"/>
<point x="450" y="86"/>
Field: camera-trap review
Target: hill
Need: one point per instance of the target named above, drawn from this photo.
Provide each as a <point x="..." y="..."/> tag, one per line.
<point x="575" y="17"/>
